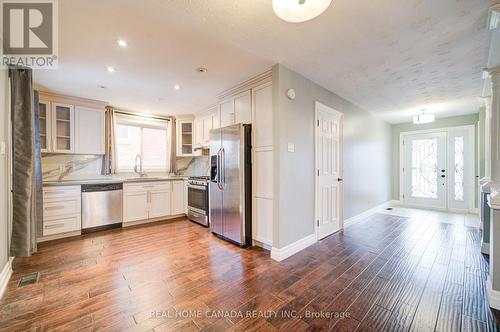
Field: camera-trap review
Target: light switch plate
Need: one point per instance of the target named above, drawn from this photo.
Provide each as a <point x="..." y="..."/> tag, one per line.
<point x="3" y="148"/>
<point x="291" y="147"/>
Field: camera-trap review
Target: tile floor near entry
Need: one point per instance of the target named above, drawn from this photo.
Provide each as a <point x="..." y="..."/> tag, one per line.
<point x="397" y="270"/>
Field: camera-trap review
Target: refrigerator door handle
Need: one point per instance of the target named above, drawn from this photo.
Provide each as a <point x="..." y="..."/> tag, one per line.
<point x="219" y="182"/>
<point x="223" y="167"/>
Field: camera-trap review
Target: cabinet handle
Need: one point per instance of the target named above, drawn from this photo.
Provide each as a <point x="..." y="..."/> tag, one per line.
<point x="54" y="226"/>
<point x="54" y="208"/>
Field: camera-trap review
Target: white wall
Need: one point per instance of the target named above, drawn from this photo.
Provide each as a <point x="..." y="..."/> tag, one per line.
<point x="367" y="156"/>
<point x="4" y="170"/>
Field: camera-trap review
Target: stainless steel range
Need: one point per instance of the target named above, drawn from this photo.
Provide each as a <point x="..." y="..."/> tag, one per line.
<point x="198" y="199"/>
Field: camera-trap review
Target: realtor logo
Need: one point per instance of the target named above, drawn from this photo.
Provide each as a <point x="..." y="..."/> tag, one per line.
<point x="29" y="33"/>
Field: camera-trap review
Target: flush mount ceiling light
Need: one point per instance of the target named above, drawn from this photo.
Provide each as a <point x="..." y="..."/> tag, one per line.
<point x="122" y="43"/>
<point x="177" y="87"/>
<point x="110" y="69"/>
<point x="296" y="11"/>
<point x="201" y="70"/>
<point x="494" y="13"/>
<point x="424" y="118"/>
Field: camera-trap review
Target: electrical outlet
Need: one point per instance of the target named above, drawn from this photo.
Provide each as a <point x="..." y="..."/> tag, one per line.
<point x="3" y="148"/>
<point x="291" y="147"/>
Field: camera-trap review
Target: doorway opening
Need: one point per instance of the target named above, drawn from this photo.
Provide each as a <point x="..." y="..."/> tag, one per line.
<point x="437" y="169"/>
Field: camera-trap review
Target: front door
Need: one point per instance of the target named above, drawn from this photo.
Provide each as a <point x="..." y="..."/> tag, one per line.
<point x="328" y="170"/>
<point x="438" y="169"/>
<point x="425" y="170"/>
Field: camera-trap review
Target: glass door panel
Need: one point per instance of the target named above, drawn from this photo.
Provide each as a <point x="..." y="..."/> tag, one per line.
<point x="63" y="127"/>
<point x="425" y="170"/>
<point x="44" y="123"/>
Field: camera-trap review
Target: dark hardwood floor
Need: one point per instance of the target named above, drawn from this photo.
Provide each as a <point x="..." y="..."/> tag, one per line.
<point x="388" y="273"/>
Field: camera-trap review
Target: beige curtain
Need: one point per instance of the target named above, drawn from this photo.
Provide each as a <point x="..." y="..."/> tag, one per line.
<point x="173" y="146"/>
<point x="109" y="161"/>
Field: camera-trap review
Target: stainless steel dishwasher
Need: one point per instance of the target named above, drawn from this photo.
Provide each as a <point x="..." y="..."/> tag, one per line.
<point x="102" y="206"/>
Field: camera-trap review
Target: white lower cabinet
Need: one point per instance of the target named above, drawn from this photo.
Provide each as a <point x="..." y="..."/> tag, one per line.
<point x="135" y="206"/>
<point x="152" y="200"/>
<point x="178" y="197"/>
<point x="61" y="210"/>
<point x="159" y="204"/>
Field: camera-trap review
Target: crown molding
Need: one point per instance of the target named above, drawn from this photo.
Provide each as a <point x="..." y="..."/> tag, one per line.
<point x="65" y="99"/>
<point x="247" y="85"/>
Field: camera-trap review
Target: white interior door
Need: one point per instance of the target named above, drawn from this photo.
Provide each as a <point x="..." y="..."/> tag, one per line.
<point x="329" y="187"/>
<point x="425" y="170"/>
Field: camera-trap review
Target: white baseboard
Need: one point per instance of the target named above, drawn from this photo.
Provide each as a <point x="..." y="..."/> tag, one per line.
<point x="485" y="248"/>
<point x="367" y="213"/>
<point x="263" y="245"/>
<point x="5" y="276"/>
<point x="493" y="295"/>
<point x="279" y="254"/>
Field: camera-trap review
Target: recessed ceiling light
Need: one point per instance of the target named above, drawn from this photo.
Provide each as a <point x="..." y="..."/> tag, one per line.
<point x="177" y="87"/>
<point x="122" y="43"/>
<point x="201" y="70"/>
<point x="299" y="10"/>
<point x="110" y="69"/>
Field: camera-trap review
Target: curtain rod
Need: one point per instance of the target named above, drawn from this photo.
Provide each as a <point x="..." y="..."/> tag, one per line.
<point x="156" y="117"/>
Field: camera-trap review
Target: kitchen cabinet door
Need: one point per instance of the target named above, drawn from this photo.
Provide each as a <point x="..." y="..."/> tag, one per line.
<point x="185" y="138"/>
<point x="215" y="120"/>
<point x="198" y="125"/>
<point x="89" y="131"/>
<point x="207" y="126"/>
<point x="63" y="128"/>
<point x="159" y="204"/>
<point x="178" y="197"/>
<point x="135" y="206"/>
<point x="44" y="122"/>
<point x="243" y="108"/>
<point x="226" y="110"/>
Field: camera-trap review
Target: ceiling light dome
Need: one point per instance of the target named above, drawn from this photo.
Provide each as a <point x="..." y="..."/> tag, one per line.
<point x="296" y="11"/>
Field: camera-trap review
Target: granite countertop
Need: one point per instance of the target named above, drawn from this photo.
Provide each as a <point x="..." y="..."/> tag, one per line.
<point x="113" y="179"/>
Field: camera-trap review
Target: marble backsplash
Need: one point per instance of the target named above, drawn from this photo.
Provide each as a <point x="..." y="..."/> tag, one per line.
<point x="56" y="167"/>
<point x="193" y="166"/>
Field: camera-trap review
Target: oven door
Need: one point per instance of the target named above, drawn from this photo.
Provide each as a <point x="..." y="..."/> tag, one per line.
<point x="198" y="199"/>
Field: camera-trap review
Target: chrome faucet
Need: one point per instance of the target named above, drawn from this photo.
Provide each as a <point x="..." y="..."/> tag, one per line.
<point x="138" y="168"/>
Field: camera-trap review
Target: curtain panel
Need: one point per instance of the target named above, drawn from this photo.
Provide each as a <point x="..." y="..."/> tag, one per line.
<point x="109" y="159"/>
<point x="23" y="240"/>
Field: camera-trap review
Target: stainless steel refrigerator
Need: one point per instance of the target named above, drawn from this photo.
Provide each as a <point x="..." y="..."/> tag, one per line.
<point x="231" y="183"/>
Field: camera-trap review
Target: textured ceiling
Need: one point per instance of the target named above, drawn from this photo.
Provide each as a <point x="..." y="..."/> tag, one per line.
<point x="391" y="57"/>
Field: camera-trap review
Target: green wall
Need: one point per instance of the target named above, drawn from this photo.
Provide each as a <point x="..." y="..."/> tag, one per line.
<point x="463" y="120"/>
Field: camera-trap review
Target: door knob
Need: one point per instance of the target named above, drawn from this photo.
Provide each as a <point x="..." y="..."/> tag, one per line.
<point x="340" y="180"/>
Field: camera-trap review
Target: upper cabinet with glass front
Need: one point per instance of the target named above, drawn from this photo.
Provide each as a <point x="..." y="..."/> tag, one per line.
<point x="44" y="124"/>
<point x="63" y="124"/>
<point x="185" y="137"/>
<point x="70" y="128"/>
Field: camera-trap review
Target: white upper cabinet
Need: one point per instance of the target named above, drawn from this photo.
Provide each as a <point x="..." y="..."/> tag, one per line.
<point x="226" y="109"/>
<point x="185" y="133"/>
<point x="243" y="108"/>
<point x="215" y="120"/>
<point x="236" y="109"/>
<point x="67" y="127"/>
<point x="44" y="121"/>
<point x="63" y="128"/>
<point x="89" y="130"/>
